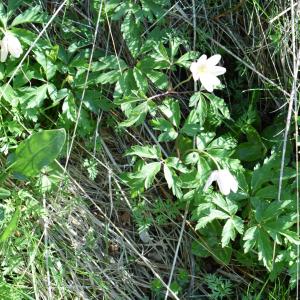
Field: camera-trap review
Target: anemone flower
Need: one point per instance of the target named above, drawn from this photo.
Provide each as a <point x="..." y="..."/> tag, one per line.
<point x="206" y="70"/>
<point x="225" y="181"/>
<point x="10" y="44"/>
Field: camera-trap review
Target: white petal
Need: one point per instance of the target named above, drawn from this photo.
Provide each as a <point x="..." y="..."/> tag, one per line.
<point x="4" y="50"/>
<point x="209" y="81"/>
<point x="202" y="59"/>
<point x="216" y="70"/>
<point x="14" y="46"/>
<point x="194" y="70"/>
<point x="213" y="60"/>
<point x="212" y="177"/>
<point x="234" y="185"/>
<point x="224" y="184"/>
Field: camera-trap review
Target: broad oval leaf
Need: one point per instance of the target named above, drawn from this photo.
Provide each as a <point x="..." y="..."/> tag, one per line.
<point x="36" y="152"/>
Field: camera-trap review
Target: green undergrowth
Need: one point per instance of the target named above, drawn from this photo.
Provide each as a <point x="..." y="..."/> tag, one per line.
<point x="110" y="150"/>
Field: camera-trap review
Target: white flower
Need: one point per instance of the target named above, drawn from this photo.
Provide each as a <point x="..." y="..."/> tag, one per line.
<point x="206" y="71"/>
<point x="225" y="181"/>
<point x="10" y="44"/>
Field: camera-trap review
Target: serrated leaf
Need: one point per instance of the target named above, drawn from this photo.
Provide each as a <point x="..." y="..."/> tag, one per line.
<point x="69" y="107"/>
<point x="169" y="133"/>
<point x="148" y="173"/>
<point x="171" y="109"/>
<point x="229" y="206"/>
<point x="228" y="233"/>
<point x="161" y="54"/>
<point x="159" y="79"/>
<point x="141" y="80"/>
<point x="176" y="163"/>
<point x="186" y="59"/>
<point x="218" y="104"/>
<point x="48" y="66"/>
<point x="264" y="173"/>
<point x="203" y="139"/>
<point x="265" y="248"/>
<point x="35" y="96"/>
<point x="238" y="224"/>
<point x="168" y="176"/>
<point x="3" y="16"/>
<point x="31" y="15"/>
<point x="136" y="116"/>
<point x="9" y="95"/>
<point x="13" y="5"/>
<point x="145" y="151"/>
<point x="132" y="30"/>
<point x="212" y="215"/>
<point x="110" y="62"/>
<point x="250" y="238"/>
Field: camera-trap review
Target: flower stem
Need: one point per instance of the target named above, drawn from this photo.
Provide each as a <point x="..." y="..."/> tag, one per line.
<point x="182" y="82"/>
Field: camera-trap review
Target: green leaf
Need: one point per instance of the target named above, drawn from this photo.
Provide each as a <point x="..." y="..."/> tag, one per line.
<point x="153" y="8"/>
<point x="31" y="15"/>
<point x="203" y="139"/>
<point x="227" y="205"/>
<point x="141" y="80"/>
<point x="212" y="215"/>
<point x="159" y="79"/>
<point x="238" y="224"/>
<point x="267" y="192"/>
<point x="3" y="16"/>
<point x="275" y="209"/>
<point x="161" y="54"/>
<point x="291" y="236"/>
<point x="109" y="77"/>
<point x="137" y="115"/>
<point x="132" y="31"/>
<point x="12" y="225"/>
<point x="9" y="95"/>
<point x="175" y="163"/>
<point x="4" y="193"/>
<point x="148" y="173"/>
<point x="94" y="100"/>
<point x="228" y="233"/>
<point x="145" y="151"/>
<point x="125" y="85"/>
<point x="222" y="255"/>
<point x="250" y="238"/>
<point x="110" y="62"/>
<point x="264" y="173"/>
<point x="169" y="133"/>
<point x="186" y="59"/>
<point x="34" y="97"/>
<point x="198" y="101"/>
<point x="249" y="151"/>
<point x="265" y="248"/>
<point x="171" y="109"/>
<point x="192" y="158"/>
<point x="37" y="151"/>
<point x="13" y="5"/>
<point x="226" y="142"/>
<point x="168" y="176"/>
<point x="69" y="107"/>
<point x="218" y="105"/>
<point x="48" y="66"/>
